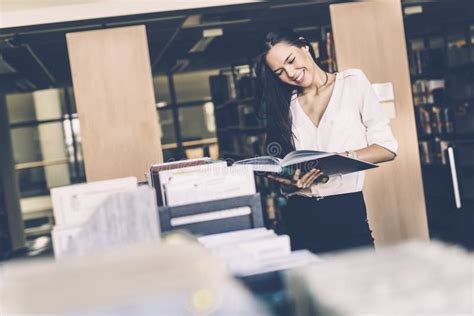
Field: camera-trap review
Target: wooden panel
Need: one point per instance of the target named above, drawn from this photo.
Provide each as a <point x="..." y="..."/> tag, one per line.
<point x="115" y="102"/>
<point x="370" y="35"/>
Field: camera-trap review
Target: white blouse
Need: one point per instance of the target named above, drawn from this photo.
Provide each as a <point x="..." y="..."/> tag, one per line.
<point x="352" y="120"/>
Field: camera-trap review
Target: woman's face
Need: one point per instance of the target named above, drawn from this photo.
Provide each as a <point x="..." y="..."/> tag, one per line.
<point x="293" y="65"/>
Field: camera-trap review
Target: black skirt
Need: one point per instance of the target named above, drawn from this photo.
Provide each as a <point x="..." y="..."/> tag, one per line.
<point x="333" y="223"/>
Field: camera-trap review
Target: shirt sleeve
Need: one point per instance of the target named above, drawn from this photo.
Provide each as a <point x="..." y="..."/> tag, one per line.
<point x="375" y="120"/>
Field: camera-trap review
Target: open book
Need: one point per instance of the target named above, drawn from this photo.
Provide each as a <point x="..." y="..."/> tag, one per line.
<point x="305" y="160"/>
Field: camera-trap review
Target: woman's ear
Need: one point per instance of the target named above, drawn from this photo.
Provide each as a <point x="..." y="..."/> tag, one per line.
<point x="306" y="44"/>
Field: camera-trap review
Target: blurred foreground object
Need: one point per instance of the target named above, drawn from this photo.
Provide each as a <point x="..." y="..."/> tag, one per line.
<point x="152" y="279"/>
<point x="415" y="278"/>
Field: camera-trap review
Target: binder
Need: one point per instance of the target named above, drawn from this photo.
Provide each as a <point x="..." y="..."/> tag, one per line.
<point x="214" y="217"/>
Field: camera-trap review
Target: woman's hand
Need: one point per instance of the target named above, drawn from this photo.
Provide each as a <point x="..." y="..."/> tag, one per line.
<point x="297" y="182"/>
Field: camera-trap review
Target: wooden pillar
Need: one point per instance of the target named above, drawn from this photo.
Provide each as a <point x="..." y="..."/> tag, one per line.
<point x="115" y="101"/>
<point x="370" y="35"/>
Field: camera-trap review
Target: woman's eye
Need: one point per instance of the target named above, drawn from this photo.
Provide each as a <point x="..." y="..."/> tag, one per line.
<point x="291" y="61"/>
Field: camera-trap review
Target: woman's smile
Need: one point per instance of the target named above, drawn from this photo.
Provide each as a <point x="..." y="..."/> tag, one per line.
<point x="300" y="77"/>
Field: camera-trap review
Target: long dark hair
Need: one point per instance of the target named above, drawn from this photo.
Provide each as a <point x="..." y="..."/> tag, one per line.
<point x="273" y="96"/>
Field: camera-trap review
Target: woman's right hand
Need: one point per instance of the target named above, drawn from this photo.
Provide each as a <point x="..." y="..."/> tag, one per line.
<point x="297" y="182"/>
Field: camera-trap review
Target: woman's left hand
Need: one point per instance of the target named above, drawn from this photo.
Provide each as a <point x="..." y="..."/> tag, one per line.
<point x="298" y="182"/>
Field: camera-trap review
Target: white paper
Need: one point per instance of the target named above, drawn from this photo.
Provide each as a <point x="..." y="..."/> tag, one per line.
<point x="384" y="91"/>
<point x="74" y="204"/>
<point x="235" y="236"/>
<point x="122" y="218"/>
<point x="255" y="249"/>
<point x="166" y="175"/>
<point x="295" y="259"/>
<point x="209" y="185"/>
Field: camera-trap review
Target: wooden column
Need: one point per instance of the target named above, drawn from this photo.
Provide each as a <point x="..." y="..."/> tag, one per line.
<point x="115" y="101"/>
<point x="370" y="35"/>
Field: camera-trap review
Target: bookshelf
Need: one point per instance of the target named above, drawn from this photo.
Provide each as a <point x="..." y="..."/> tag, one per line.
<point x="442" y="75"/>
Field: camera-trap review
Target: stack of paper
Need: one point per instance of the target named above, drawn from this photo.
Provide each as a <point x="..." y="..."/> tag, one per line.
<point x="207" y="183"/>
<point x="154" y="179"/>
<point x="74" y="204"/>
<point x="185" y="169"/>
<point x="96" y="216"/>
<point x="255" y="251"/>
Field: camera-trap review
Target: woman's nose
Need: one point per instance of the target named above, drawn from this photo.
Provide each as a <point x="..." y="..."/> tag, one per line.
<point x="290" y="71"/>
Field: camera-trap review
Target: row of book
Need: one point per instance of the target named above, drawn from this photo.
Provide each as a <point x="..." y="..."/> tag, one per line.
<point x="199" y="180"/>
<point x="103" y="215"/>
<point x="99" y="215"/>
<point x="429" y="91"/>
<point x="230" y="86"/>
<point x="434" y="119"/>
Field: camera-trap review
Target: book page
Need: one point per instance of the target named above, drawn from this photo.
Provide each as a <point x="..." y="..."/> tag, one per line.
<point x="299" y="156"/>
<point x="74" y="204"/>
<point x="262" y="160"/>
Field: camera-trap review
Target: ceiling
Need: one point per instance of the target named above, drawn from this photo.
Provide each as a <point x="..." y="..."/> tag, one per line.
<point x="38" y="54"/>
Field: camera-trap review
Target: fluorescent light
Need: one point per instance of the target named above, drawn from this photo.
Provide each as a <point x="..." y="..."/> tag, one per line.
<point x="212" y="32"/>
<point x="201" y="45"/>
<point x="306" y="28"/>
<point x="417" y="9"/>
<point x="194" y="21"/>
<point x="208" y="36"/>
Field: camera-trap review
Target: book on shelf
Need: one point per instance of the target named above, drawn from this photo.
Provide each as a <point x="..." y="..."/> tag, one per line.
<point x="186" y="171"/>
<point x="306" y="160"/>
<point x="155" y="169"/>
<point x="222" y="88"/>
<point x="216" y="181"/>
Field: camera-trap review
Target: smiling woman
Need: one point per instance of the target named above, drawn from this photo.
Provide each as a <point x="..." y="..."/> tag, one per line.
<point x="310" y="109"/>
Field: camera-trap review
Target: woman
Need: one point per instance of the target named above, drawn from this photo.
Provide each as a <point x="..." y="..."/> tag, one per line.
<point x="308" y="108"/>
